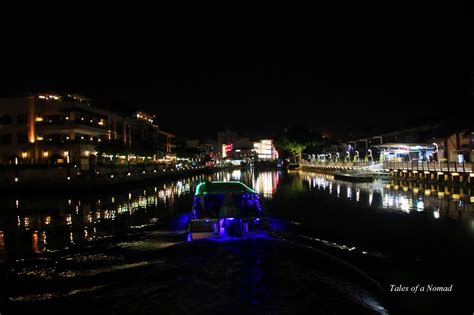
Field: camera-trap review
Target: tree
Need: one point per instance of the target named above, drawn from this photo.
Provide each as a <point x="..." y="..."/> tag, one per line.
<point x="296" y="140"/>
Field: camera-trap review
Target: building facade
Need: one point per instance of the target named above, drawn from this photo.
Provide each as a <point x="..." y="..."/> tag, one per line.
<point x="456" y="146"/>
<point x="50" y="129"/>
<point x="265" y="149"/>
<point x="47" y="128"/>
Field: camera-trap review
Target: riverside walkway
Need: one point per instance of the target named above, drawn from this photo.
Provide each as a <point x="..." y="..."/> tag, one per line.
<point x="439" y="171"/>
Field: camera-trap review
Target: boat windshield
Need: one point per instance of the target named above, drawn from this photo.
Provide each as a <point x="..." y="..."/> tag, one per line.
<point x="227" y="205"/>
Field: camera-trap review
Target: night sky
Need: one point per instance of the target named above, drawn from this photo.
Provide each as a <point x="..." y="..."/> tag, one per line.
<point x="202" y="76"/>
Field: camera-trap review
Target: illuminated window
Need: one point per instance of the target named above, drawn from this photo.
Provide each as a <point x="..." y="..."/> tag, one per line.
<point x="45" y="154"/>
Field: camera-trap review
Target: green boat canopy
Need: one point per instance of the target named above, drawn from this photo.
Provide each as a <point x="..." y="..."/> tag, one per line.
<point x="206" y="188"/>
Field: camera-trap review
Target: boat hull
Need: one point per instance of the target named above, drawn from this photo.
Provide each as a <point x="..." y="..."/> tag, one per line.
<point x="228" y="227"/>
<point x="354" y="178"/>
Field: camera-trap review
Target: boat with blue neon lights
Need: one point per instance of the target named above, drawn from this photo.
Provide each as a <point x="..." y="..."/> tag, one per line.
<point x="227" y="209"/>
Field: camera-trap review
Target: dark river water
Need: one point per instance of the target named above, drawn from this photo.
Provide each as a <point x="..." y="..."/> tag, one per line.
<point x="335" y="247"/>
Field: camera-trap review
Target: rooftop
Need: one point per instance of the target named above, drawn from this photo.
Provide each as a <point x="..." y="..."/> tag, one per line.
<point x="205" y="188"/>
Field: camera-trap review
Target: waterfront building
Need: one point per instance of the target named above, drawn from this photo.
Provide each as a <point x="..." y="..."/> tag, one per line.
<point x="443" y="141"/>
<point x="54" y="129"/>
<point x="166" y="146"/>
<point x="149" y="139"/>
<point x="243" y="150"/>
<point x="456" y="146"/>
<point x="265" y="149"/>
<point x="225" y="140"/>
<point x="197" y="151"/>
<point x="50" y="128"/>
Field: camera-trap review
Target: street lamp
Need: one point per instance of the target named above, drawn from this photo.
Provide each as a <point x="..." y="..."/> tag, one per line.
<point x="370" y="155"/>
<point x="437" y="152"/>
<point x="337" y="157"/>
<point x="348" y="156"/>
<point x="356" y="157"/>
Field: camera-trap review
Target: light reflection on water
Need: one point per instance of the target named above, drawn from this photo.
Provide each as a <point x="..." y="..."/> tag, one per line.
<point x="452" y="202"/>
<point x="35" y="226"/>
<point x="40" y="225"/>
<point x="264" y="183"/>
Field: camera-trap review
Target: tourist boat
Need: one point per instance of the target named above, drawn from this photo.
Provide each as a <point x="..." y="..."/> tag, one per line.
<point x="358" y="178"/>
<point x="227" y="209"/>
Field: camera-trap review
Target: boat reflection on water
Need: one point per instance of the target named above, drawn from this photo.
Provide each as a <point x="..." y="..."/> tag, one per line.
<point x="440" y="200"/>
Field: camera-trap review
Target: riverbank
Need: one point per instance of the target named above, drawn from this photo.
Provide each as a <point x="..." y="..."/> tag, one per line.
<point x="345" y="172"/>
<point x="456" y="175"/>
<point x="99" y="182"/>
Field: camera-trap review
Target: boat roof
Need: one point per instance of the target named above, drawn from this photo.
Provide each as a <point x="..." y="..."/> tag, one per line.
<point x="206" y="188"/>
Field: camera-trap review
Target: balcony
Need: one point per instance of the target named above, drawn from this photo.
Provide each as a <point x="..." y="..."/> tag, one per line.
<point x="76" y="125"/>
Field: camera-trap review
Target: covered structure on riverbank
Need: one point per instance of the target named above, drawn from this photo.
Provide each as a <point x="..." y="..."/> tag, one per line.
<point x="402" y="152"/>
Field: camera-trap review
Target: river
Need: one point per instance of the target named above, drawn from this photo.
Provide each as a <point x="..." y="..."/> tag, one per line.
<point x="59" y="250"/>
